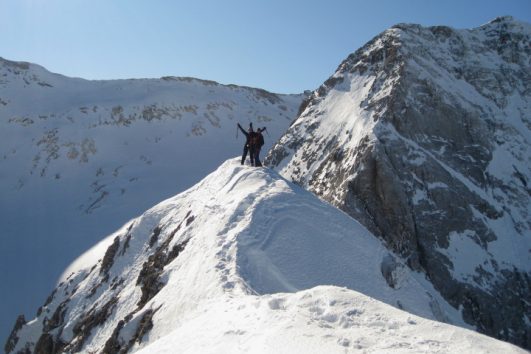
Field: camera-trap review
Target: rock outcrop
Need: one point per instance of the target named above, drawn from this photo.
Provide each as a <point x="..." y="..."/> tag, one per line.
<point x="424" y="136"/>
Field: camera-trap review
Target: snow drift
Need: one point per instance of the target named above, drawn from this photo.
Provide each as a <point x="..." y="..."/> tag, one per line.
<point x="237" y="264"/>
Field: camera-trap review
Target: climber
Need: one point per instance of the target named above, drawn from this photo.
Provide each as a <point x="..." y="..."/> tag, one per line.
<point x="256" y="143"/>
<point x="247" y="142"/>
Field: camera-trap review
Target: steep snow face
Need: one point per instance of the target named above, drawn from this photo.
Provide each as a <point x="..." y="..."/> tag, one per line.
<point x="79" y="158"/>
<point x="232" y="265"/>
<point x="423" y="135"/>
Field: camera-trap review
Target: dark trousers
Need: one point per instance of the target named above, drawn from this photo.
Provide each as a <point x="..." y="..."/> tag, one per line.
<point x="244" y="155"/>
<point x="255" y="156"/>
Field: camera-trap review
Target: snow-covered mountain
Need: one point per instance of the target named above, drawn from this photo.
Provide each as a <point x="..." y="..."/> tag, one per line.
<point x="79" y="158"/>
<point x="244" y="262"/>
<point x="423" y="135"/>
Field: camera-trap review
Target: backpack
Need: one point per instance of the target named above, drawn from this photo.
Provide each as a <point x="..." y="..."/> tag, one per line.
<point x="254" y="140"/>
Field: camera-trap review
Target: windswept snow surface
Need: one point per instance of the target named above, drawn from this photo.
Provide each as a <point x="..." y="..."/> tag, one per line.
<point x="79" y="158"/>
<point x="318" y="320"/>
<point x="261" y="266"/>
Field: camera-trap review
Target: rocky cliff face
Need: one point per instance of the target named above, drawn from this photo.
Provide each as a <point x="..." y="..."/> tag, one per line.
<point x="423" y="135"/>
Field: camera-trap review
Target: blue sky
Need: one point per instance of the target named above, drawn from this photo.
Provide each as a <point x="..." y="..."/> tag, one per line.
<point x="283" y="46"/>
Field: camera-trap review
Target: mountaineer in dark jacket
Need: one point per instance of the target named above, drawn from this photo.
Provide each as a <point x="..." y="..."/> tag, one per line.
<point x="247" y="142"/>
<point x="256" y="143"/>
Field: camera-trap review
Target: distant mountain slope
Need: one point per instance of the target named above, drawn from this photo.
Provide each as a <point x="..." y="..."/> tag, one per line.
<point x="424" y="136"/>
<point x="206" y="271"/>
<point x="79" y="158"/>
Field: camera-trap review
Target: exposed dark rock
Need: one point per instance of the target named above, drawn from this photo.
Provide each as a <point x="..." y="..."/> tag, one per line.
<point x="126" y="244"/>
<point x="50" y="341"/>
<point x="57" y="318"/>
<point x="149" y="276"/>
<point x="148" y="279"/>
<point x="25" y="350"/>
<point x="303" y="105"/>
<point x="108" y="259"/>
<point x="48" y="344"/>
<point x="93" y="290"/>
<point x="49" y="299"/>
<point x="155" y="236"/>
<point x="271" y="97"/>
<point x="144" y="326"/>
<point x="115" y="345"/>
<point x="95" y="317"/>
<point x="74" y="290"/>
<point x="175" y="251"/>
<point x="12" y="340"/>
<point x="116" y="282"/>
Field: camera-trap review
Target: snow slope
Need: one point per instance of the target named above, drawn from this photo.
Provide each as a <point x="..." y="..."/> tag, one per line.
<point x="237" y="264"/>
<point x="424" y="136"/>
<point x="79" y="158"/>
<point x="318" y="320"/>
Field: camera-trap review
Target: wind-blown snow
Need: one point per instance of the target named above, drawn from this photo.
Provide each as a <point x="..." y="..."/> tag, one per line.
<point x="318" y="320"/>
<point x="250" y="278"/>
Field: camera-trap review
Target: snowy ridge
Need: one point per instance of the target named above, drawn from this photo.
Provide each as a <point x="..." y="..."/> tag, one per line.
<point x="233" y="265"/>
<point x="423" y="135"/>
<point x="78" y="158"/>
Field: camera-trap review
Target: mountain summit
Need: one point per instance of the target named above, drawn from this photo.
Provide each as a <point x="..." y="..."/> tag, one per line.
<point x="423" y="135"/>
<point x="237" y="264"/>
